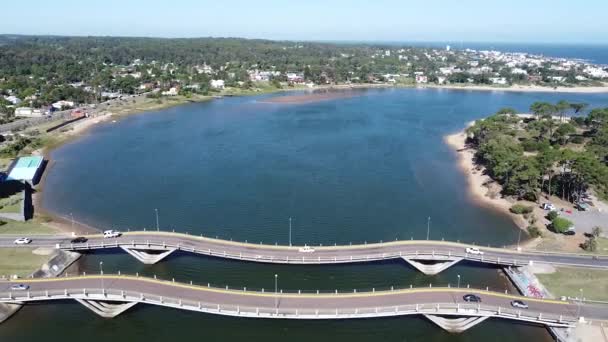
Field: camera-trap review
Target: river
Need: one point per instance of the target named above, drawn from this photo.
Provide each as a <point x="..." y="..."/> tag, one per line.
<point x="365" y="168"/>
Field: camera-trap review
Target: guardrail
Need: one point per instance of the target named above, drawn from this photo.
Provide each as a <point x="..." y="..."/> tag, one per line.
<point x="448" y="309"/>
<point x="421" y="254"/>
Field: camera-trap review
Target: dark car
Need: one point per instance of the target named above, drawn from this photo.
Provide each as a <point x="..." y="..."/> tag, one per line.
<point x="471" y="298"/>
<point x="569" y="232"/>
<point x="80" y="239"/>
<point x="519" y="304"/>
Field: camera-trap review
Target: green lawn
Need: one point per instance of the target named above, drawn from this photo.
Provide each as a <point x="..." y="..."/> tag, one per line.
<point x="20" y="261"/>
<point x="28" y="227"/>
<point x="11" y="204"/>
<point x="568" y="282"/>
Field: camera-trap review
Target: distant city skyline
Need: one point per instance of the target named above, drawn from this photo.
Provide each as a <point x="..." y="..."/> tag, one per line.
<point x="540" y="21"/>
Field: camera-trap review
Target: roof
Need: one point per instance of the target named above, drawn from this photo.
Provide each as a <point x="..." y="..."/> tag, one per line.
<point x="25" y="168"/>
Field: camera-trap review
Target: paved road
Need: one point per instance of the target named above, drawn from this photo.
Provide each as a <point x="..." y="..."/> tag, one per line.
<point x="344" y="302"/>
<point x="325" y="255"/>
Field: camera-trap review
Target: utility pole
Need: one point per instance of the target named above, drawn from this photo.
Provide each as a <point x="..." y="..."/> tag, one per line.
<point x="101" y="273"/>
<point x="157" y="226"/>
<point x="428" y="228"/>
<point x="518" y="239"/>
<point x="580" y="303"/>
<point x="72" y="219"/>
<point x="276" y="291"/>
<point x="458" y="280"/>
<point x="290" y="232"/>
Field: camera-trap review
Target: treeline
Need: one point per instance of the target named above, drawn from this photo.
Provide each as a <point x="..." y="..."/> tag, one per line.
<point x="548" y="152"/>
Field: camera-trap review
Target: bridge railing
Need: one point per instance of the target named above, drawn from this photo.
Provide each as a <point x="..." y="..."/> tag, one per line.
<point x="278" y="311"/>
<point x="422" y="253"/>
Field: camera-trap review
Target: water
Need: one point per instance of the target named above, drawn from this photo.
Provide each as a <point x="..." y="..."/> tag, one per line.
<point x="366" y="168"/>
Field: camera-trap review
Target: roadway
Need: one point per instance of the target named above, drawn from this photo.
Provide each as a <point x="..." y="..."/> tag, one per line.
<point x="422" y="250"/>
<point x="293" y="302"/>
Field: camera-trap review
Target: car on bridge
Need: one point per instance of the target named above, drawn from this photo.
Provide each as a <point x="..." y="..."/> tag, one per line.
<point x="80" y="239"/>
<point x="519" y="304"/>
<point x="306" y="249"/>
<point x="471" y="298"/>
<point x="472" y="250"/>
<point x="20" y="287"/>
<point x="111" y="234"/>
<point x="23" y="241"/>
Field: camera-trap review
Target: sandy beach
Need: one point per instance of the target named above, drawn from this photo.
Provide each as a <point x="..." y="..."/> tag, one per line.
<point x="523" y="88"/>
<point x="482" y="189"/>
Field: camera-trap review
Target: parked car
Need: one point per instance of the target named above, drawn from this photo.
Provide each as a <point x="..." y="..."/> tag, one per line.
<point x="472" y="250"/>
<point x="471" y="298"/>
<point x="549" y="207"/>
<point x="581" y="206"/>
<point x="20" y="287"/>
<point x="570" y="231"/>
<point x="23" y="241"/>
<point x="519" y="304"/>
<point x="111" y="234"/>
<point x="80" y="239"/>
<point x="306" y="249"/>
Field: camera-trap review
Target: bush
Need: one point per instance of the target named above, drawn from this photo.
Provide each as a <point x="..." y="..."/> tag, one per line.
<point x="521" y="209"/>
<point x="560" y="224"/>
<point x="590" y="245"/>
<point x="534" y="231"/>
<point x="577" y="139"/>
<point x="552" y="215"/>
<point x="596" y="231"/>
<point x="530" y="145"/>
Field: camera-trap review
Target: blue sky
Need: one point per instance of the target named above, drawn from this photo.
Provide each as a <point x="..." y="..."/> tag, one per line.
<point x="581" y="21"/>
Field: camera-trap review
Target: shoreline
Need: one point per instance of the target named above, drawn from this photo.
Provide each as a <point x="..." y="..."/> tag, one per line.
<point x="481" y="188"/>
<point x="522" y="88"/>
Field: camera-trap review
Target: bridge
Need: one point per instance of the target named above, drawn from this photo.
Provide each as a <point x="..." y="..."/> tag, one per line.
<point x="429" y="257"/>
<point x="111" y="295"/>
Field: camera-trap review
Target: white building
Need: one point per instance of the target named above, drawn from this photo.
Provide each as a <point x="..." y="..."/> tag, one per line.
<point x="217" y="84"/>
<point x="518" y="71"/>
<point x="441" y="79"/>
<point x="27" y="112"/>
<point x="498" y="80"/>
<point x="422" y="79"/>
<point x="171" y="92"/>
<point x="13" y="99"/>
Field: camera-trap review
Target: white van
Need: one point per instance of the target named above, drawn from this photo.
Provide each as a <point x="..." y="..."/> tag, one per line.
<point x="111" y="234"/>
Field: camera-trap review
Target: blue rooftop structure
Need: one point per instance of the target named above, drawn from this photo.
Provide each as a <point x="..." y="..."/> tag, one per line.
<point x="25" y="169"/>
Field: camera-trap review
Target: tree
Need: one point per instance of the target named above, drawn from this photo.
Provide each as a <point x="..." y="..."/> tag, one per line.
<point x="561" y="225"/>
<point x="596" y="232"/>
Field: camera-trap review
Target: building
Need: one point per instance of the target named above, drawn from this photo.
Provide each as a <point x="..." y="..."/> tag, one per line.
<point x="26" y="169"/>
<point x="27" y="112"/>
<point x="217" y="84"/>
<point x="173" y="91"/>
<point x="422" y="79"/>
<point x="498" y="80"/>
<point x="13" y="99"/>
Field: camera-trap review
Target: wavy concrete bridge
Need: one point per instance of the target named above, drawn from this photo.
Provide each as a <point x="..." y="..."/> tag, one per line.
<point x="429" y="257"/>
<point x="111" y="295"/>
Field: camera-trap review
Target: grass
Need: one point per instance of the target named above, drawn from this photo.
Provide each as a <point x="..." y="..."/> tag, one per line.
<point x="602" y="246"/>
<point x="11" y="204"/>
<point x="20" y="261"/>
<point x="568" y="282"/>
<point x="34" y="226"/>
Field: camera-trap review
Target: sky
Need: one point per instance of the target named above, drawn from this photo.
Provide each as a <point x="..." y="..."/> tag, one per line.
<point x="532" y="21"/>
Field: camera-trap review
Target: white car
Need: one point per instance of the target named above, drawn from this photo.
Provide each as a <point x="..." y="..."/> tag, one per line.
<point x="472" y="250"/>
<point x="519" y="304"/>
<point x="22" y="241"/>
<point x="111" y="234"/>
<point x="549" y="207"/>
<point x="306" y="249"/>
<point x="20" y="287"/>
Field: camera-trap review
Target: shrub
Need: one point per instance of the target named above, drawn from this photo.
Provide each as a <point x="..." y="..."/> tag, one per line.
<point x="596" y="231"/>
<point x="521" y="209"/>
<point x="590" y="245"/>
<point x="577" y="139"/>
<point x="552" y="215"/>
<point x="534" y="231"/>
<point x="560" y="224"/>
<point x="529" y="145"/>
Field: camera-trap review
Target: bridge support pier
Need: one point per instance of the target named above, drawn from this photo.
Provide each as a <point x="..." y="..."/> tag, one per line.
<point x="105" y="309"/>
<point x="456" y="325"/>
<point x="433" y="269"/>
<point x="145" y="257"/>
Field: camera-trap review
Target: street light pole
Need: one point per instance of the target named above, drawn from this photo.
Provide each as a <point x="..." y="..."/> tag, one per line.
<point x="276" y="291"/>
<point x="518" y="239"/>
<point x="72" y="219"/>
<point x="101" y="273"/>
<point x="580" y="303"/>
<point x="157" y="226"/>
<point x="428" y="228"/>
<point x="458" y="280"/>
<point x="290" y="232"/>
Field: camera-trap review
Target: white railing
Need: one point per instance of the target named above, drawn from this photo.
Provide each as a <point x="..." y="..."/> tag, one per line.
<point x="448" y="309"/>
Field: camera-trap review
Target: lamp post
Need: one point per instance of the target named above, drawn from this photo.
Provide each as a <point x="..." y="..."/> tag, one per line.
<point x="72" y="219"/>
<point x="290" y="232"/>
<point x="428" y="228"/>
<point x="157" y="226"/>
<point x="580" y="303"/>
<point x="101" y="273"/>
<point x="519" y="240"/>
<point x="458" y="280"/>
<point x="276" y="291"/>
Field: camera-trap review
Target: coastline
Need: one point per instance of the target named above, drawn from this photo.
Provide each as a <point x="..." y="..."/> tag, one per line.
<point x="522" y="88"/>
<point x="481" y="188"/>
